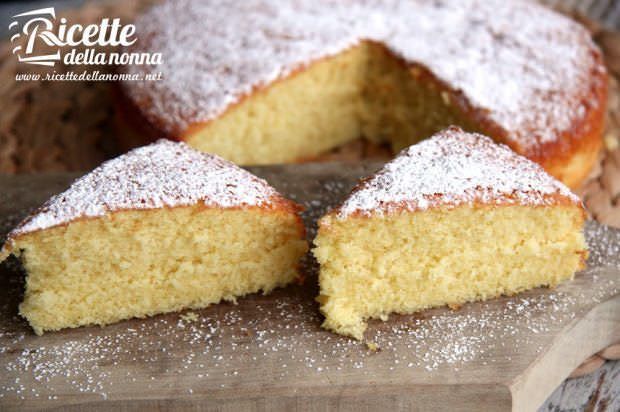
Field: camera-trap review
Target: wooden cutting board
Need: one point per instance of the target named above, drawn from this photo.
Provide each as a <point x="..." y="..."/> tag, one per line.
<point x="269" y="352"/>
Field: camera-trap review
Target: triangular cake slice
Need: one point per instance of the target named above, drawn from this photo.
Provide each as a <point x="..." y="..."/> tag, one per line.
<point x="159" y="229"/>
<point x="453" y="219"/>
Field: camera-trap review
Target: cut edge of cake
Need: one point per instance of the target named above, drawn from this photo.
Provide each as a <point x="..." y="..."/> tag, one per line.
<point x="453" y="219"/>
<point x="554" y="115"/>
<point x="159" y="229"/>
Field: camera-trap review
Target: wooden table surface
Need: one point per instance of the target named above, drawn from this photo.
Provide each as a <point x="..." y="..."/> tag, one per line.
<point x="269" y="352"/>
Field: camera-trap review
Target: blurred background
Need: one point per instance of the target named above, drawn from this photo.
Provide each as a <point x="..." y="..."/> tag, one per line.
<point x="607" y="12"/>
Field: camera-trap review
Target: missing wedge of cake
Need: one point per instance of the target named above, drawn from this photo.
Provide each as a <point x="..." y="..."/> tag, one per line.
<point x="159" y="229"/>
<point x="392" y="71"/>
<point x="453" y="219"/>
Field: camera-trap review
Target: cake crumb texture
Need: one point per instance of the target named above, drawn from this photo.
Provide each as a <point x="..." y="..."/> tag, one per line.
<point x="140" y="263"/>
<point x="392" y="71"/>
<point x="408" y="262"/>
<point x="159" y="229"/>
<point x="453" y="219"/>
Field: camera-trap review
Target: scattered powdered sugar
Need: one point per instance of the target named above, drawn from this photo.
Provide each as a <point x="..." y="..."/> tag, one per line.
<point x="162" y="174"/>
<point x="450" y="169"/>
<point x="607" y="250"/>
<point x="529" y="69"/>
<point x="275" y="341"/>
<point x="278" y="340"/>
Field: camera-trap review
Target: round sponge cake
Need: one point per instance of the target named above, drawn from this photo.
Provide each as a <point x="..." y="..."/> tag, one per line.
<point x="264" y="81"/>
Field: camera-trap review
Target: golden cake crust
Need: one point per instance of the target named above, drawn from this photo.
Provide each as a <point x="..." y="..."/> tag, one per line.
<point x="164" y="174"/>
<point x="450" y="169"/>
<point x="525" y="75"/>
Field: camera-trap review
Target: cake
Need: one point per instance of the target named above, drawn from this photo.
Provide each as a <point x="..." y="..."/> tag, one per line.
<point x="454" y="219"/>
<point x="159" y="229"/>
<point x="265" y="81"/>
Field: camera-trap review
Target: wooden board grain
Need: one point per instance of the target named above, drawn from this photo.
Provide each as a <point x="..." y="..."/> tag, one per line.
<point x="269" y="352"/>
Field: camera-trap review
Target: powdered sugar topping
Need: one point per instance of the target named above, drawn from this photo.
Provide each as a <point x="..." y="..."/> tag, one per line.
<point x="162" y="174"/>
<point x="528" y="68"/>
<point x="454" y="168"/>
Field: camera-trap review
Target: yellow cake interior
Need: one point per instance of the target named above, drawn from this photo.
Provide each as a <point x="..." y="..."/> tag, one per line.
<point x="408" y="261"/>
<point x="365" y="91"/>
<point x="139" y="263"/>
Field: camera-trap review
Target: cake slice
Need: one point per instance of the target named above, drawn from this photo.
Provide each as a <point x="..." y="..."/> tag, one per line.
<point x="453" y="219"/>
<point x="159" y="229"/>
